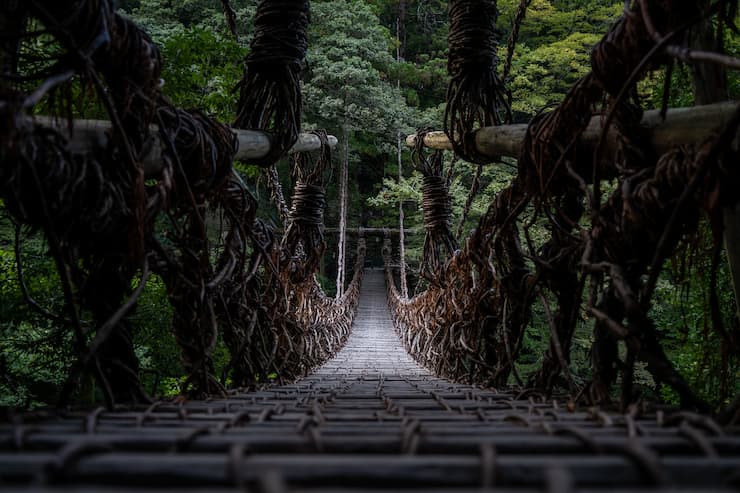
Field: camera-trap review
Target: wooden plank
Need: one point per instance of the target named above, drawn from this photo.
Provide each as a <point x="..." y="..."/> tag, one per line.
<point x="86" y="134"/>
<point x="155" y="469"/>
<point x="681" y="126"/>
<point x="362" y="439"/>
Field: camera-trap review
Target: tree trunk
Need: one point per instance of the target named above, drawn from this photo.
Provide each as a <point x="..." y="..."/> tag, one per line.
<point x="709" y="79"/>
<point x="12" y="18"/>
<point x="342" y="212"/>
<point x="401" y="29"/>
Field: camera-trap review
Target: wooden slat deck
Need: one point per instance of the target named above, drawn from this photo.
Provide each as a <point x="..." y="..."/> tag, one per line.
<point x="369" y="419"/>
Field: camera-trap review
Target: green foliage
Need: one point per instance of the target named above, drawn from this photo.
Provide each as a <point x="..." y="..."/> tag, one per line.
<point x="201" y="69"/>
<point x="424" y="82"/>
<point x="154" y="342"/>
<point x="201" y="60"/>
<point x="33" y="369"/>
<point x="162" y="20"/>
<point x="681" y="313"/>
<point x="653" y="87"/>
<point x="34" y="352"/>
<point x="549" y="21"/>
<point x="681" y="90"/>
<point x="543" y="74"/>
<point x="347" y="84"/>
<point x="553" y="50"/>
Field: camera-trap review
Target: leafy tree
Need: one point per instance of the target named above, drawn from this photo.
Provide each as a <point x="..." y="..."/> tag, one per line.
<point x="346" y="85"/>
<point x="164" y="19"/>
<point x="34" y="352"/>
<point x="201" y="70"/>
<point x="542" y="75"/>
<point x="347" y="89"/>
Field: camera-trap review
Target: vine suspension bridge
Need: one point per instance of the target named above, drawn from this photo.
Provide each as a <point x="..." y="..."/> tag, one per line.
<point x="373" y="387"/>
<point x="368" y="419"/>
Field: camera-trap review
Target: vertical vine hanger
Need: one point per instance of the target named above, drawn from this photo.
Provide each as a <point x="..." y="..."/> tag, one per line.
<point x="439" y="242"/>
<point x="303" y="243"/>
<point x="270" y="95"/>
<point x="476" y="96"/>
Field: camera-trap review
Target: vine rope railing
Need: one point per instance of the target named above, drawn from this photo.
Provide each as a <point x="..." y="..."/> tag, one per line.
<point x="111" y="222"/>
<point x="604" y="246"/>
<point x="305" y="327"/>
<point x="439" y="242"/>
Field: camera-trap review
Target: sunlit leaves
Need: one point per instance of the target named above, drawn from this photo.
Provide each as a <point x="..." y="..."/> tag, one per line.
<point x="201" y="70"/>
<point x="542" y="75"/>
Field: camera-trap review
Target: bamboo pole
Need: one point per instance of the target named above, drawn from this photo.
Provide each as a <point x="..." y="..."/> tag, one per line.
<point x="368" y="231"/>
<point x="681" y="126"/>
<point x="85" y="134"/>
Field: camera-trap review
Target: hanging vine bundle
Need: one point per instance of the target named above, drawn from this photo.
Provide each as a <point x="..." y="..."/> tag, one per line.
<point x="298" y="327"/>
<point x="439" y="242"/>
<point x="516" y="25"/>
<point x="472" y="193"/>
<point x="238" y="299"/>
<point x="40" y="176"/>
<point x="200" y="151"/>
<point x="476" y="97"/>
<point x="132" y="67"/>
<point x="82" y="25"/>
<point x="270" y="95"/>
<point x="303" y="244"/>
<point x="550" y="153"/>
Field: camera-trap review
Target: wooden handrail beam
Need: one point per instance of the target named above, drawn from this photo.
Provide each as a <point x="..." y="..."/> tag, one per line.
<point x="377" y="231"/>
<point x="86" y="134"/>
<point x="681" y="126"/>
<point x="370" y="231"/>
